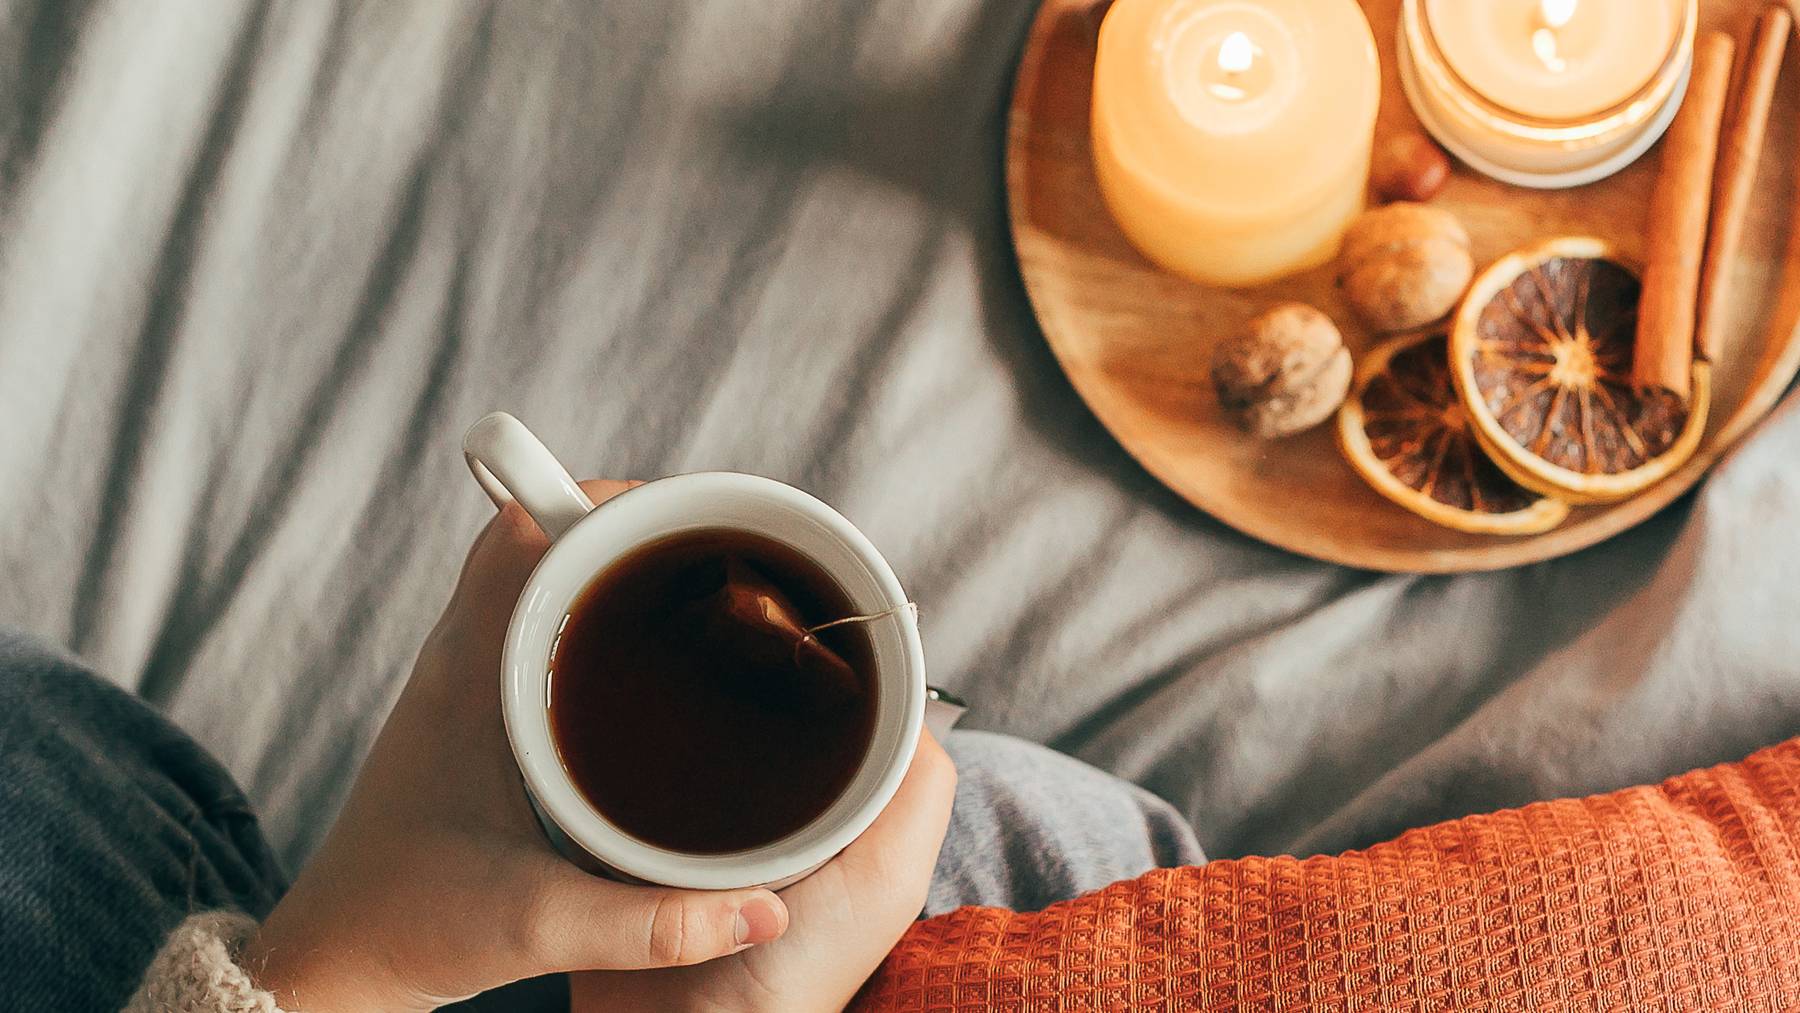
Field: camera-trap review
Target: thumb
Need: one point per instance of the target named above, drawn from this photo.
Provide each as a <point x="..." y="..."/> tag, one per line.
<point x="597" y="924"/>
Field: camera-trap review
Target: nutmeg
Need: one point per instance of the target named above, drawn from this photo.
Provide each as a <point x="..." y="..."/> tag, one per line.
<point x="1287" y="372"/>
<point x="1404" y="265"/>
<point x="1409" y="166"/>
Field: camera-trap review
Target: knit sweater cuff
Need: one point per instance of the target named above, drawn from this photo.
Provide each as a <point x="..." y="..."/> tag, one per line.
<point x="197" y="971"/>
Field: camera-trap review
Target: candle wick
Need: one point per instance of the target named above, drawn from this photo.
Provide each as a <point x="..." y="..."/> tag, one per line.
<point x="1543" y="43"/>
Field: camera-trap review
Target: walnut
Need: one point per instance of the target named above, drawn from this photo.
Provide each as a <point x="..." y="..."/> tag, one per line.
<point x="1404" y="266"/>
<point x="1285" y="374"/>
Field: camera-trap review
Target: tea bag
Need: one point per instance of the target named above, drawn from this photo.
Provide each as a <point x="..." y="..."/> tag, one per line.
<point x="765" y="648"/>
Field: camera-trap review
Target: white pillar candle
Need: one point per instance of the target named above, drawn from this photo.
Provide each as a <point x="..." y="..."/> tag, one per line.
<point x="1232" y="137"/>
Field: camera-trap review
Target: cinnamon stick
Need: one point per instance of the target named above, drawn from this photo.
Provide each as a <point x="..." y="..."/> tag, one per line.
<point x="1740" y="151"/>
<point x="1679" y="210"/>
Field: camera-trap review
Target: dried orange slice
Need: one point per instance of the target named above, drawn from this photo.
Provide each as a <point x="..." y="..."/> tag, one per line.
<point x="1541" y="353"/>
<point x="1406" y="433"/>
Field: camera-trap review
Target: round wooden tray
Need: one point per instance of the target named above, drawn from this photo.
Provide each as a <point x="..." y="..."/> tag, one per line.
<point x="1136" y="342"/>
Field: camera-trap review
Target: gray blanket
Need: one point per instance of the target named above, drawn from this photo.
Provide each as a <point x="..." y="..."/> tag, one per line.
<point x="260" y="265"/>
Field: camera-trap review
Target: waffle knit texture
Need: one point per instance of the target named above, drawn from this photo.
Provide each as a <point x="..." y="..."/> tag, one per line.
<point x="1683" y="896"/>
<point x="196" y="970"/>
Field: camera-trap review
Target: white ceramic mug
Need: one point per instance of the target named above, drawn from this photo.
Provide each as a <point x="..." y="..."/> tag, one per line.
<point x="510" y="463"/>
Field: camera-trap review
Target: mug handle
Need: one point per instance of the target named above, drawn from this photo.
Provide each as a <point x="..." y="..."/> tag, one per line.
<point x="511" y="463"/>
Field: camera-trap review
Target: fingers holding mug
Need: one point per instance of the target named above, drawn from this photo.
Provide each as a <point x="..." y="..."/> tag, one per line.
<point x="584" y="922"/>
<point x="602" y="489"/>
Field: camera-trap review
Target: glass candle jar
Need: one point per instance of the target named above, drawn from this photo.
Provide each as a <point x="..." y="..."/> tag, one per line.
<point x="1546" y="93"/>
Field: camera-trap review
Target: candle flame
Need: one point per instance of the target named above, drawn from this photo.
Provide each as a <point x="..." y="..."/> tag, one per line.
<point x="1237" y="53"/>
<point x="1557" y="13"/>
<point x="1554" y="14"/>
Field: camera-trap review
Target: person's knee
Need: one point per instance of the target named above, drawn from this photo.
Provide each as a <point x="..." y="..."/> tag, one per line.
<point x="112" y="827"/>
<point x="977" y="751"/>
<point x="43" y="686"/>
<point x="1039" y="798"/>
<point x="23" y="661"/>
<point x="1005" y="771"/>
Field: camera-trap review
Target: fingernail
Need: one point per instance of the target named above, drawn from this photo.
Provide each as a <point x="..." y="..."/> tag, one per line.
<point x="759" y="921"/>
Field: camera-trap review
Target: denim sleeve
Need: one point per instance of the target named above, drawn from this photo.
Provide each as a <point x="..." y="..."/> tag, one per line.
<point x="114" y="827"/>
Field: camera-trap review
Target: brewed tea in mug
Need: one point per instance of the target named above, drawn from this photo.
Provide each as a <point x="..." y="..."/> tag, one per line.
<point x="691" y="701"/>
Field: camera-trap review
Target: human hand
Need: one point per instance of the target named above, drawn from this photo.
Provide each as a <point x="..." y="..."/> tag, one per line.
<point x="844" y="919"/>
<point x="436" y="883"/>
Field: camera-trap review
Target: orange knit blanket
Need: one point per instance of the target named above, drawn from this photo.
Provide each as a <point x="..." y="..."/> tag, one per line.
<point x="1682" y="896"/>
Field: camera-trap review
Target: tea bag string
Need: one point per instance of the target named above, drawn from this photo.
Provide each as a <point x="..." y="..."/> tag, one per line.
<point x="811" y="632"/>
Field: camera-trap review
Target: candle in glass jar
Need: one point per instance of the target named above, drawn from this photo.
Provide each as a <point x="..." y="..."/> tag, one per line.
<point x="1546" y="92"/>
<point x="1231" y="137"/>
<point x="1555" y="59"/>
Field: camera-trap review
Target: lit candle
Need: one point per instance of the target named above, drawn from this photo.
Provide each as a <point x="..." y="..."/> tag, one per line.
<point x="1231" y="137"/>
<point x="1546" y="92"/>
